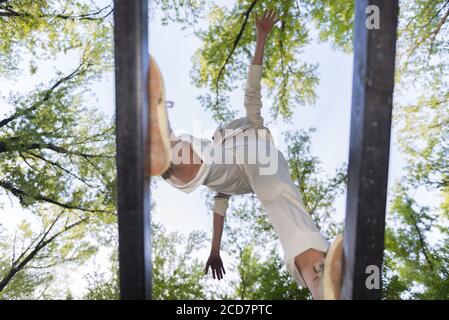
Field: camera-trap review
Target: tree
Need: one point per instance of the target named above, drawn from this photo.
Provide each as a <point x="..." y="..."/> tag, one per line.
<point x="50" y="139"/>
<point x="226" y="48"/>
<point x="57" y="153"/>
<point x="417" y="242"/>
<point x="417" y="267"/>
<point x="269" y="279"/>
<point x="43" y="29"/>
<point x="176" y="273"/>
<point x="29" y="260"/>
<point x="49" y="149"/>
<point x="104" y="286"/>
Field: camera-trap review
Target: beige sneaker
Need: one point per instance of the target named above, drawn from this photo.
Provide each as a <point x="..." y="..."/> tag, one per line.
<point x="159" y="143"/>
<point x="330" y="271"/>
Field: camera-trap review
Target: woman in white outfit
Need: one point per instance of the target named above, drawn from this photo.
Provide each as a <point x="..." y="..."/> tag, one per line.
<point x="242" y="159"/>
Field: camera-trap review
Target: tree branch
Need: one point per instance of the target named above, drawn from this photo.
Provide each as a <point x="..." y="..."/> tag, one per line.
<point x="234" y="46"/>
<point x="20" y="194"/>
<point x="422" y="242"/>
<point x="328" y="189"/>
<point x="432" y="35"/>
<point x="57" y="165"/>
<point x="92" y="16"/>
<point x="16" y="263"/>
<point x="78" y="71"/>
<point x="51" y="146"/>
<point x="436" y="31"/>
<point x="63" y="150"/>
<point x="42" y="244"/>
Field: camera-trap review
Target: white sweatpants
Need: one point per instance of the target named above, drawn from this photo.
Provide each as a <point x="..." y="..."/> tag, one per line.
<point x="284" y="207"/>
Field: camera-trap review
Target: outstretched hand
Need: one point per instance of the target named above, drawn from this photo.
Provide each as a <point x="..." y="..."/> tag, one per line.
<point x="216" y="265"/>
<point x="265" y="24"/>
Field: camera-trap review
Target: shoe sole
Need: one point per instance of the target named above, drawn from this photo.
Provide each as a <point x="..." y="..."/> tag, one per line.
<point x="158" y="142"/>
<point x="333" y="270"/>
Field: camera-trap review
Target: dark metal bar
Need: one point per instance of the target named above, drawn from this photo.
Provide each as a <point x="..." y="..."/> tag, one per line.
<point x="373" y="85"/>
<point x="131" y="64"/>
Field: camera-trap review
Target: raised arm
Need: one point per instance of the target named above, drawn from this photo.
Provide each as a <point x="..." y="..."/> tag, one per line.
<point x="264" y="25"/>
<point x="253" y="97"/>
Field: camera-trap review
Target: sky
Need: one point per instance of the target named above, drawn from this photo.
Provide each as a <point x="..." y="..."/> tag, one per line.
<point x="173" y="48"/>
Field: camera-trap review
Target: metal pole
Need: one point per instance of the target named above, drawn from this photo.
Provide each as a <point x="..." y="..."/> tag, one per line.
<point x="131" y="65"/>
<point x="373" y="84"/>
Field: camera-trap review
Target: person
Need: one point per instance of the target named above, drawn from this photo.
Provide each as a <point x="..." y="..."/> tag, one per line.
<point x="232" y="164"/>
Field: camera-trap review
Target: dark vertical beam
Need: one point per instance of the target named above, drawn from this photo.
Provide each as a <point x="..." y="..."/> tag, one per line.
<point x="131" y="63"/>
<point x="372" y="92"/>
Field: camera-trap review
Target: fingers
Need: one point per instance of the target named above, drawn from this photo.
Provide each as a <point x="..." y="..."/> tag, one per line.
<point x="269" y="15"/>
<point x="217" y="272"/>
<point x="220" y="273"/>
